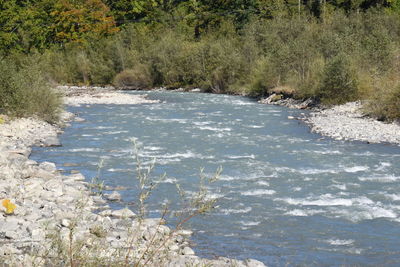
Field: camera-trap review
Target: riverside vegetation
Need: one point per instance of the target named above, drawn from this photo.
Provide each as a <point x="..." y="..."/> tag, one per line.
<point x="331" y="51"/>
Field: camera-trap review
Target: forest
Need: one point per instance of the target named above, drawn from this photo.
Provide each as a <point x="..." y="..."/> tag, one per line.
<point x="333" y="51"/>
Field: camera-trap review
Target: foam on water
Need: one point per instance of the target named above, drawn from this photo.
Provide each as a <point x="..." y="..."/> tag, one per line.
<point x="236" y="211"/>
<point x="214" y="129"/>
<point x="169" y="181"/>
<point x="366" y="213"/>
<point x="394" y="197"/>
<point x="202" y="123"/>
<point x="340" y="242"/>
<point x="356" y="169"/>
<point x="304" y="212"/>
<point x="256" y="126"/>
<point x="317" y="171"/>
<point x="241" y="156"/>
<point x="249" y="223"/>
<point x="382" y="179"/>
<point x="84" y="149"/>
<point x="258" y="192"/>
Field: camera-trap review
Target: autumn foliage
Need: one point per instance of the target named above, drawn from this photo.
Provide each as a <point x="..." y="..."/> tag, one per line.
<point x="79" y="20"/>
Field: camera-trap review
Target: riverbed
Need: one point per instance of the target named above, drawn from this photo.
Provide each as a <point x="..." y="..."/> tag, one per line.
<point x="285" y="196"/>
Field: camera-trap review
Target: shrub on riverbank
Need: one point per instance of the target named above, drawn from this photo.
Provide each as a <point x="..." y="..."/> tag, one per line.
<point x="25" y="92"/>
<point x="136" y="78"/>
<point x="293" y="52"/>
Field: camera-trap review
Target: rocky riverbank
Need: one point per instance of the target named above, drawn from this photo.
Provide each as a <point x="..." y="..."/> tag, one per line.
<point x="58" y="220"/>
<point x="347" y="122"/>
<point x="79" y="95"/>
<point x="342" y="122"/>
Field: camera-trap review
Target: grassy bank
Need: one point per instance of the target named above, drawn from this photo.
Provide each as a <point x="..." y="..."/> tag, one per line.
<point x="345" y="57"/>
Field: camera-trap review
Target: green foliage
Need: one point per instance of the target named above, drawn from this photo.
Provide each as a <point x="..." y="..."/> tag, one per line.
<point x="228" y="46"/>
<point x="24" y="92"/>
<point x="339" y="82"/>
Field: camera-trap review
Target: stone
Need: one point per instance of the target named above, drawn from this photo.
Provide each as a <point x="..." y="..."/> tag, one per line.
<point x="123" y="213"/>
<point x="12" y="234"/>
<point x="55" y="186"/>
<point x="187" y="251"/>
<point x="50" y="141"/>
<point x="184" y="232"/>
<point x="65" y="223"/>
<point x="48" y="166"/>
<point x="173" y="247"/>
<point x="37" y="234"/>
<point x="179" y="239"/>
<point x="165" y="230"/>
<point x="98" y="200"/>
<point x="77" y="177"/>
<point x="9" y="250"/>
<point x="79" y="119"/>
<point x="40" y="173"/>
<point x="70" y="164"/>
<point x="114" y="196"/>
<point x="254" y="263"/>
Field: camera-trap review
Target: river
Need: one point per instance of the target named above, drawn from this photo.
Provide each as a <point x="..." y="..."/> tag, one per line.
<point x="285" y="197"/>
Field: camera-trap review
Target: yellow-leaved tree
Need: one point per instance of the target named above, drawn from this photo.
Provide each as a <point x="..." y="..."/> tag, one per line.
<point x="79" y="21"/>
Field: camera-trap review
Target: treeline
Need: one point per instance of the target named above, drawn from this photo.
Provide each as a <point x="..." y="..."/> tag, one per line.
<point x="332" y="51"/>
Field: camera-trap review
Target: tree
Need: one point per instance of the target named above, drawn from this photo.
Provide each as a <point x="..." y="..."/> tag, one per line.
<point x="81" y="20"/>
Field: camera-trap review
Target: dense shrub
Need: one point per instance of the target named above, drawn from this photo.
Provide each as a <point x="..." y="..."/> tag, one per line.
<point x="385" y="102"/>
<point x="339" y="82"/>
<point x="24" y="92"/>
<point x="136" y="78"/>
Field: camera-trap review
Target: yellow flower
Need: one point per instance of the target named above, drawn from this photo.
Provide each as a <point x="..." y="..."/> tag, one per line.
<point x="10" y="207"/>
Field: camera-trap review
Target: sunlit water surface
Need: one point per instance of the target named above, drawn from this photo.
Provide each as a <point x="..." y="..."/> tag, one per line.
<point x="286" y="196"/>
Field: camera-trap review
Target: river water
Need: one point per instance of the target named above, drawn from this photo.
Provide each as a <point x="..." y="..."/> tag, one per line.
<point x="285" y="197"/>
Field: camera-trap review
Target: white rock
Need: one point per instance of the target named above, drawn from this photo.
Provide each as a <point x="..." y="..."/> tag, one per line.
<point x="114" y="196"/>
<point x="187" y="251"/>
<point x="12" y="234"/>
<point x="184" y="232"/>
<point x="65" y="223"/>
<point x="48" y="166"/>
<point x="254" y="263"/>
<point x="77" y="177"/>
<point x="123" y="213"/>
<point x="174" y="247"/>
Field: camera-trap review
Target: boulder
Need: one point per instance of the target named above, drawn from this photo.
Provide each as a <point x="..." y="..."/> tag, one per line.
<point x="48" y="166"/>
<point x="114" y="196"/>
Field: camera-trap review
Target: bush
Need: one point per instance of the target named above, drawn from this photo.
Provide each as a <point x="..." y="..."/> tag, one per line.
<point x="136" y="78"/>
<point x="339" y="82"/>
<point x="384" y="104"/>
<point x="24" y="92"/>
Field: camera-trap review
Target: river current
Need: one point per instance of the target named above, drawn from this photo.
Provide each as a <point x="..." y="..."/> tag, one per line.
<point x="285" y="197"/>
